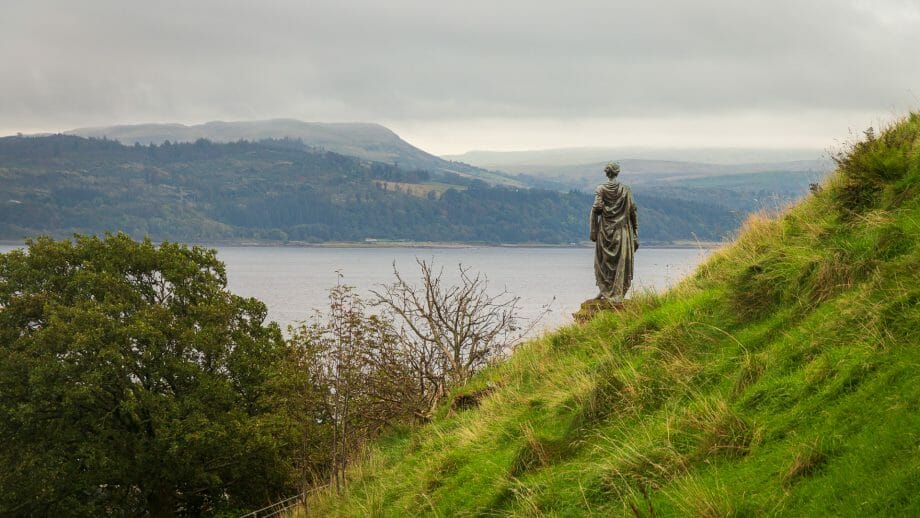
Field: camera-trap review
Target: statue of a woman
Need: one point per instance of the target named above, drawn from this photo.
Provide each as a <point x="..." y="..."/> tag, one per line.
<point x="615" y="232"/>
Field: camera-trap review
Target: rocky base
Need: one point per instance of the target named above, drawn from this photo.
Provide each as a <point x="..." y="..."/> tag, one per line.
<point x="591" y="307"/>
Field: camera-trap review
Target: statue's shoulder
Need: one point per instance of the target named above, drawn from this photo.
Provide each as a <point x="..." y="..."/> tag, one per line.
<point x="622" y="187"/>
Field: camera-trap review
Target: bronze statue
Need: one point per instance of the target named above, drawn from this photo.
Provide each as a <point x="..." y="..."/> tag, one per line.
<point x="615" y="232"/>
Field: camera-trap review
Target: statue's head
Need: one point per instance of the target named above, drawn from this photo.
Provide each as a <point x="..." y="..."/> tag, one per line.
<point x="612" y="170"/>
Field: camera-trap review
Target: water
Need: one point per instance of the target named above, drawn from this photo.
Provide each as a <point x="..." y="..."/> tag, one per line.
<point x="294" y="281"/>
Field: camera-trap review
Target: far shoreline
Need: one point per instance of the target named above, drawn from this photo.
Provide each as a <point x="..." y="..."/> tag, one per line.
<point x="705" y="245"/>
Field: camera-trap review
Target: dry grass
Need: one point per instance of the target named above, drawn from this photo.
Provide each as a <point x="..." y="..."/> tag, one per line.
<point x="751" y="367"/>
<point x="715" y="429"/>
<point x="808" y="459"/>
<point x="703" y="500"/>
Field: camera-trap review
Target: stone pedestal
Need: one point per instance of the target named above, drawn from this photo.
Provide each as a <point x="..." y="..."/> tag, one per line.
<point x="591" y="307"/>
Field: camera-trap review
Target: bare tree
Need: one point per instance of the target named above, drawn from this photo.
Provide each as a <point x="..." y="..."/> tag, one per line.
<point x="359" y="372"/>
<point x="450" y="331"/>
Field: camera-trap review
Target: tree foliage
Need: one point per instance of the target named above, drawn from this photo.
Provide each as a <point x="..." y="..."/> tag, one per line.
<point x="132" y="380"/>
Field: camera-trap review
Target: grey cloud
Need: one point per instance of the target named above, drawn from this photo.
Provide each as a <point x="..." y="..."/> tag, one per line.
<point x="67" y="64"/>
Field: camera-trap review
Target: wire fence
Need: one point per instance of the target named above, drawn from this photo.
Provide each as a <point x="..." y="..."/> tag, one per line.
<point x="282" y="506"/>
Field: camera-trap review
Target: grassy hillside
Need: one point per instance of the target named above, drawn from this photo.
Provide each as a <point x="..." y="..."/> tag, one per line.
<point x="782" y="378"/>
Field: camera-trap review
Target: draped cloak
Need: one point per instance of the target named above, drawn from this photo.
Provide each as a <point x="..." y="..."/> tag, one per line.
<point x="614" y="229"/>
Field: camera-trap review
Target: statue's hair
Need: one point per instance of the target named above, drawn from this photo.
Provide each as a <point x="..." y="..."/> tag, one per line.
<point x="612" y="169"/>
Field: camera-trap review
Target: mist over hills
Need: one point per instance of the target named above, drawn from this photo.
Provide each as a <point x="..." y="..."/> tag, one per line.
<point x="511" y="160"/>
<point x="641" y="171"/>
<point x="743" y="180"/>
<point x="645" y="165"/>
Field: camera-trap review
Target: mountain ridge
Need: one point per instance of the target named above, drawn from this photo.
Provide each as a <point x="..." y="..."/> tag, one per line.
<point x="584" y="155"/>
<point x="365" y="140"/>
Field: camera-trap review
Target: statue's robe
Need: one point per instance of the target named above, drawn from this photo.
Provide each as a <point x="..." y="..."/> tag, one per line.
<point x="614" y="230"/>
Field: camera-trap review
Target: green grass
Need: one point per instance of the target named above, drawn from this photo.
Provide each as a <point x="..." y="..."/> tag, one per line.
<point x="782" y="378"/>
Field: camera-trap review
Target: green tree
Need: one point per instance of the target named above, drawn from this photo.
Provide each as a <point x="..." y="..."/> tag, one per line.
<point x="132" y="381"/>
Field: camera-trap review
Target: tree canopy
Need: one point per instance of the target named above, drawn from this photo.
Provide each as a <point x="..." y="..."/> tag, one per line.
<point x="131" y="379"/>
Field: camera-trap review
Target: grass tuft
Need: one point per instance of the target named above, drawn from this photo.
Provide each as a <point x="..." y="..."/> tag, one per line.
<point x="807" y="460"/>
<point x="716" y="430"/>
<point x="536" y="452"/>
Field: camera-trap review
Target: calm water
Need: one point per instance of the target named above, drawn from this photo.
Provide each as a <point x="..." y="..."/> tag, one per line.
<point x="294" y="281"/>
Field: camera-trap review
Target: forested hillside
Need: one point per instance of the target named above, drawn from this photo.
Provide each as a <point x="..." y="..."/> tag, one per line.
<point x="282" y="191"/>
<point x="362" y="140"/>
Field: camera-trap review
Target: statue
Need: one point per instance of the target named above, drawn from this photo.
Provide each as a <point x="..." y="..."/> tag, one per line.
<point x="615" y="232"/>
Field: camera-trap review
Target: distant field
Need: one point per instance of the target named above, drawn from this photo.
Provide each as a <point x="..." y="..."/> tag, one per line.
<point x="420" y="189"/>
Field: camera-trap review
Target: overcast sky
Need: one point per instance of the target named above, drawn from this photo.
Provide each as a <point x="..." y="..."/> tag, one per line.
<point x="454" y="76"/>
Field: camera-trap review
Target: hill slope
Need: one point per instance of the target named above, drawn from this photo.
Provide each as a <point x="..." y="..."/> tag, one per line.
<point x="781" y="378"/>
<point x="366" y="141"/>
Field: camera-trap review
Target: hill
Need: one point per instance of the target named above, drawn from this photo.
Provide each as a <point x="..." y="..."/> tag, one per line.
<point x="517" y="160"/>
<point x="744" y="187"/>
<point x="281" y="191"/>
<point x="642" y="172"/>
<point x="365" y="141"/>
<point x="780" y="379"/>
